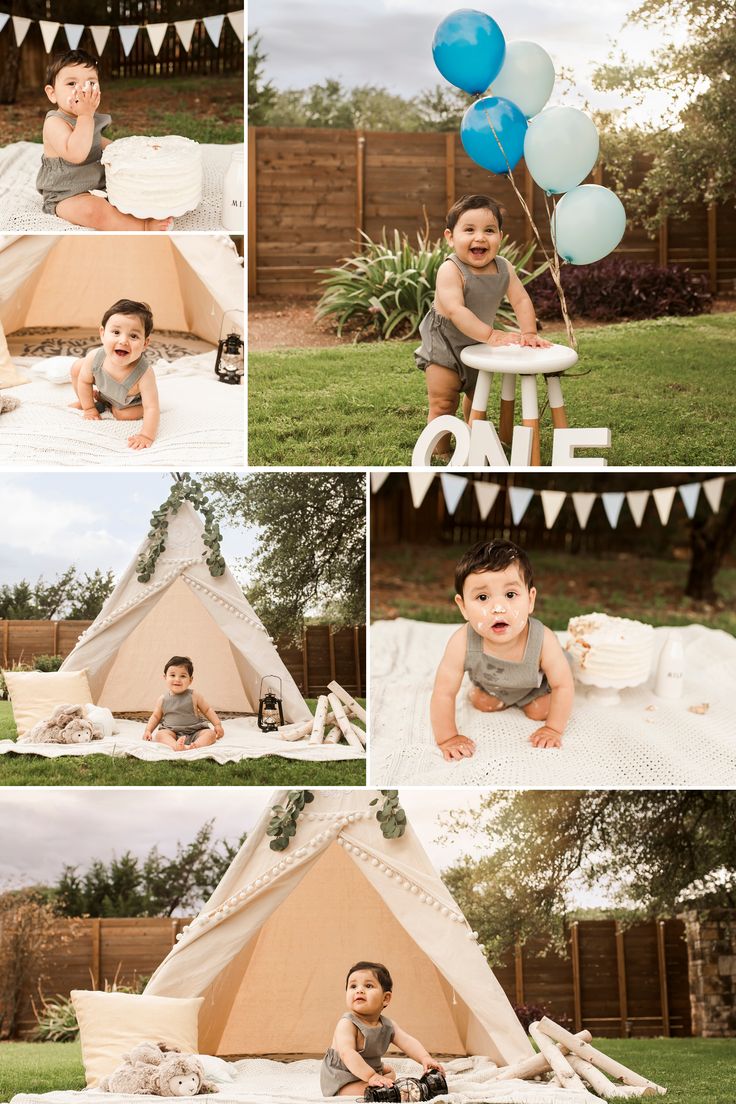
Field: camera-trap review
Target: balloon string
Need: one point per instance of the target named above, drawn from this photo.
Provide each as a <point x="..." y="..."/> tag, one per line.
<point x="553" y="261"/>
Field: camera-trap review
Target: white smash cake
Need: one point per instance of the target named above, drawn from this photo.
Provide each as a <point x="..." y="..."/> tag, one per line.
<point x="153" y="177"/>
<point x="610" y="651"/>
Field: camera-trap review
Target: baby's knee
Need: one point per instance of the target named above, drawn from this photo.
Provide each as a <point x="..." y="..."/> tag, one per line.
<point x="486" y="703"/>
<point x="538" y="709"/>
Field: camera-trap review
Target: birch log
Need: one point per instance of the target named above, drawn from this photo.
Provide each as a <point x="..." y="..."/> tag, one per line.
<point x="333" y="736"/>
<point x="596" y="1057"/>
<point x="345" y="726"/>
<point x="320" y="715"/>
<point x="534" y="1066"/>
<point x="296" y="731"/>
<point x="557" y="1060"/>
<point x="354" y="708"/>
<point x="601" y="1085"/>
<point x="359" y="733"/>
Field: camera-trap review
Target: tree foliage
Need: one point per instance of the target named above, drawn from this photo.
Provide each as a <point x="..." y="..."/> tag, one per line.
<point x="652" y="852"/>
<point x="311" y="555"/>
<point x="154" y="886"/>
<point x="261" y="93"/>
<point x="70" y="595"/>
<point x="692" y="154"/>
<point x="28" y="933"/>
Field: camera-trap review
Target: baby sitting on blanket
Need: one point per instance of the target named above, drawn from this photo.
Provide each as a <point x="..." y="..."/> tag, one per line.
<point x="71" y="167"/>
<point x="176" y="720"/>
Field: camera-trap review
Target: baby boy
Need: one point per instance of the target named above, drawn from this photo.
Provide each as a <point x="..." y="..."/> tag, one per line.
<point x="512" y="659"/>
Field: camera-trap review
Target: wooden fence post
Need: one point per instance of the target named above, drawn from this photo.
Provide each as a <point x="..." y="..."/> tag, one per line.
<point x="331" y="653"/>
<point x="359" y="186"/>
<point x="305" y="661"/>
<point x="519" y="972"/>
<point x="662" y="964"/>
<point x="664" y="241"/>
<point x="577" y="1001"/>
<point x="6" y="643"/>
<point x="252" y="229"/>
<point x="55" y="648"/>
<point x="623" y="1004"/>
<point x="713" y="246"/>
<point x="96" y="965"/>
<point x="449" y="170"/>
<point x="356" y="661"/>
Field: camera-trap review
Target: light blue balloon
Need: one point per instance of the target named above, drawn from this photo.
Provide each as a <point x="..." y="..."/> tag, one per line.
<point x="588" y="223"/>
<point x="468" y="49"/>
<point x="560" y="148"/>
<point x="478" y="139"/>
<point x="527" y="77"/>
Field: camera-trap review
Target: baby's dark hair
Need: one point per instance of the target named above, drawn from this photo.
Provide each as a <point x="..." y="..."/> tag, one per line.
<point x="71" y="57"/>
<point x="493" y="555"/>
<point x="130" y="306"/>
<point x="180" y="661"/>
<point x="472" y="203"/>
<point x="383" y="977"/>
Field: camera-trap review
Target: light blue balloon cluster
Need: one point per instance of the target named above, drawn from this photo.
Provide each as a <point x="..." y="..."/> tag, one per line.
<point x="560" y="144"/>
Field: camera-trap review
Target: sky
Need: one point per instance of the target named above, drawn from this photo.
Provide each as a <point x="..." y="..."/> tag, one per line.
<point x="50" y="521"/>
<point x="388" y="42"/>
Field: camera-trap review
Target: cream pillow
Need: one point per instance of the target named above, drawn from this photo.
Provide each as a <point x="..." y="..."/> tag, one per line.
<point x="35" y="694"/>
<point x="9" y="374"/>
<point x="111" y="1024"/>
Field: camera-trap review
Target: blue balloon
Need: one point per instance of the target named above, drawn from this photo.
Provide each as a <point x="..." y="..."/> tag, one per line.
<point x="560" y="149"/>
<point x="468" y="49"/>
<point x="478" y="138"/>
<point x="587" y="224"/>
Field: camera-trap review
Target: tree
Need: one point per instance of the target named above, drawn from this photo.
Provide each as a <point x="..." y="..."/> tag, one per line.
<point x="155" y="886"/>
<point x="693" y="153"/>
<point x="311" y="552"/>
<point x="261" y="93"/>
<point x="87" y="598"/>
<point x="68" y="596"/>
<point x="28" y="933"/>
<point x="654" y="852"/>
<point x="710" y="540"/>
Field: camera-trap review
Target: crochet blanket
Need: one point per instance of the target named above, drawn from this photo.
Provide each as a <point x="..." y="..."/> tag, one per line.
<point x="21" y="205"/>
<point x="260" y="1081"/>
<point x="242" y="740"/>
<point x="202" y="423"/>
<point x="642" y="742"/>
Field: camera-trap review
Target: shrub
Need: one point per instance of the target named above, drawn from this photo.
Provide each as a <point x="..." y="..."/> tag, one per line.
<point x="528" y="1013"/>
<point x="48" y="662"/>
<point x="386" y="290"/>
<point x="616" y="288"/>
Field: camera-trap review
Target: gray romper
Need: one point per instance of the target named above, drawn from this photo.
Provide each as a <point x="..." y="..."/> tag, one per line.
<point x="442" y="341"/>
<point x="59" y="179"/>
<point x="514" y="683"/>
<point x="114" y="392"/>
<point x="333" y="1074"/>
<point x="180" y="716"/>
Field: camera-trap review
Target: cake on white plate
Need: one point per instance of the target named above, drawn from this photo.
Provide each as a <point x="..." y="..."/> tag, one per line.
<point x="153" y="177"/>
<point x="610" y="651"/>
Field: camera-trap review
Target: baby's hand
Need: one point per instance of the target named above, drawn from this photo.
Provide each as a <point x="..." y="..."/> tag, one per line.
<point x="219" y="731"/>
<point x="546" y="737"/>
<point x="139" y="441"/>
<point x="534" y="341"/>
<point x="92" y="414"/>
<point x="457" y="747"/>
<point x="86" y="100"/>
<point x="147" y="735"/>
<point x="499" y="337"/>
<point x="429" y="1063"/>
<point x="380" y="1081"/>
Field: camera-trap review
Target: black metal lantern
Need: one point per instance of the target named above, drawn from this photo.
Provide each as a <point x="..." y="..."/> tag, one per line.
<point x="270" y="707"/>
<point x="230" y="363"/>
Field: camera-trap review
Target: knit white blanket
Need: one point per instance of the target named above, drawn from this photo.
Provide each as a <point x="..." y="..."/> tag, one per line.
<point x="642" y="742"/>
<point x="21" y="205"/>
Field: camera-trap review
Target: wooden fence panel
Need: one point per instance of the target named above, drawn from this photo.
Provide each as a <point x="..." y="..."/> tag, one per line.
<point x="313" y="189"/>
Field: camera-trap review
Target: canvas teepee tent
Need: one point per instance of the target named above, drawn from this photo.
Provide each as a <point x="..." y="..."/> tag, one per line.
<point x="271" y="948"/>
<point x="190" y="281"/>
<point x="181" y="610"/>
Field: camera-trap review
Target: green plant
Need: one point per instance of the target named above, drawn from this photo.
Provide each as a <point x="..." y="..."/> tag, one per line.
<point x="390" y="816"/>
<point x="387" y="288"/>
<point x="47" y="662"/>
<point x="282" y="825"/>
<point x="185" y="488"/>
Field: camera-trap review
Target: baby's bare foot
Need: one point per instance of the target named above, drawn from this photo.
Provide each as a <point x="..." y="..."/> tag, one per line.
<point x="161" y="225"/>
<point x="76" y="406"/>
<point x="181" y="744"/>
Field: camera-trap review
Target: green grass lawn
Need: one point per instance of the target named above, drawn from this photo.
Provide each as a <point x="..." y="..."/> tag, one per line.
<point x="694" y="1071"/>
<point x="661" y="386"/>
<point x="102" y="770"/>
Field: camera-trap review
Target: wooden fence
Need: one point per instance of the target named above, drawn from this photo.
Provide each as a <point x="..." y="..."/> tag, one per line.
<point x="321" y="657"/>
<point x="312" y="191"/>
<point x="614" y="982"/>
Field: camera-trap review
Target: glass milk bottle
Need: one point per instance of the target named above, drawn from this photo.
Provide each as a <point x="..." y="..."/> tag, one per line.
<point x="233" y="193"/>
<point x="670" y="669"/>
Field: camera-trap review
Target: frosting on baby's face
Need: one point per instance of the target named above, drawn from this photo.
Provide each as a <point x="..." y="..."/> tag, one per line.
<point x="497" y="603"/>
<point x="68" y="83"/>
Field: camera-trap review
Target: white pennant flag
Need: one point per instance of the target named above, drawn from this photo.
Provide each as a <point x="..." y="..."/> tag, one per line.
<point x="713" y="489"/>
<point x="128" y="35"/>
<point x="689" y="493"/>
<point x="99" y="35"/>
<point x="237" y="22"/>
<point x="48" y="33"/>
<point x="453" y="487"/>
<point x="419" y="484"/>
<point x="213" y="26"/>
<point x="663" y="499"/>
<point x="637" y="501"/>
<point x="4" y="17"/>
<point x="583" y="503"/>
<point x="612" y="503"/>
<point x="552" y="504"/>
<point x="156" y="35"/>
<point x="185" y="30"/>
<point x="74" y="32"/>
<point x="378" y="479"/>
<point x="519" y="499"/>
<point x="486" y="494"/>
<point x="20" y="26"/>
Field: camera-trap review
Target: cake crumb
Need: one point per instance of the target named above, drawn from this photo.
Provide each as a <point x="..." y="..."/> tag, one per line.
<point x="702" y="708"/>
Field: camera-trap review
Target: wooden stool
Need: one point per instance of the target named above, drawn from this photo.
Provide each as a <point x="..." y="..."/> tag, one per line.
<point x="517" y="360"/>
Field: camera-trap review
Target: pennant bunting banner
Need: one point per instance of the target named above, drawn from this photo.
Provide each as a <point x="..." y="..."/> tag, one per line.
<point x="213" y="26"/>
<point x="519" y="499"/>
<point x="419" y="483"/>
<point x="486" y="494"/>
<point x="237" y="22"/>
<point x="73" y="34"/>
<point x="378" y="479"/>
<point x="128" y="35"/>
<point x="4" y="17"/>
<point x="100" y="36"/>
<point x="453" y="487"/>
<point x="156" y="35"/>
<point x="48" y="33"/>
<point x="583" y="503"/>
<point x="185" y="30"/>
<point x="20" y="26"/>
<point x="612" y="503"/>
<point x="663" y="499"/>
<point x="689" y="493"/>
<point x="713" y="489"/>
<point x="552" y="504"/>
<point x="637" y="501"/>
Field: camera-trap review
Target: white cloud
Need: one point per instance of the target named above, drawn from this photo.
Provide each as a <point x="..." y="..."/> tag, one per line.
<point x="37" y="523"/>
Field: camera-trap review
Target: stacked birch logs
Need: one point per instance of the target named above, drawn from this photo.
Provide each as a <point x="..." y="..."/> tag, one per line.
<point x="334" y="719"/>
<point x="575" y="1064"/>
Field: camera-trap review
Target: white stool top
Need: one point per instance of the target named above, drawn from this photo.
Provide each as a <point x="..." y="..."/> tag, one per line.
<point x="518" y="359"/>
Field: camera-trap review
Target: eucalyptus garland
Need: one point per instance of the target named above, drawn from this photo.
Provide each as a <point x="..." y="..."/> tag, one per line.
<point x="185" y="489"/>
<point x="390" y="816"/>
<point x="282" y="825"/>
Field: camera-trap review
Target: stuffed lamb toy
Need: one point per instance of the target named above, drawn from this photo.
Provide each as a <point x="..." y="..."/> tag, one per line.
<point x="68" y="724"/>
<point x="152" y="1069"/>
